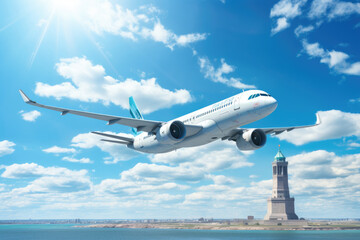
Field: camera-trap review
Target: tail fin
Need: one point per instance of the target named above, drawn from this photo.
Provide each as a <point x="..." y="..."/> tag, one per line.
<point x="134" y="112"/>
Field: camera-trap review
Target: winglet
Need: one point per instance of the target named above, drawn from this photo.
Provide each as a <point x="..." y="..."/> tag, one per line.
<point x="318" y="119"/>
<point x="24" y="97"/>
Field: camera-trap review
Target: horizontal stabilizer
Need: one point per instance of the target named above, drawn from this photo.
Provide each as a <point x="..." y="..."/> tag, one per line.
<point x="127" y="139"/>
<point x="114" y="141"/>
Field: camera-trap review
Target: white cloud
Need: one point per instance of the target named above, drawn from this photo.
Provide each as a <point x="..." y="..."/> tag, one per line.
<point x="149" y="8"/>
<point x="160" y="34"/>
<point x="354" y="100"/>
<point x="184" y="40"/>
<point x="30" y="116"/>
<point x="6" y="147"/>
<point x="300" y="30"/>
<point x="121" y="186"/>
<point x="71" y="192"/>
<point x="89" y="83"/>
<point x="190" y="164"/>
<point x="323" y="165"/>
<point x="163" y="173"/>
<point x="57" y="150"/>
<point x="223" y="155"/>
<point x="61" y="184"/>
<point x="335" y="124"/>
<point x="334" y="59"/>
<point x="314" y="49"/>
<point x="319" y="8"/>
<point x="281" y="24"/>
<point x="105" y="17"/>
<point x="331" y="9"/>
<point x="353" y="69"/>
<point x="222" y="196"/>
<point x="325" y="178"/>
<point x="221" y="179"/>
<point x="170" y="39"/>
<point x="118" y="152"/>
<point x="29" y="170"/>
<point x="217" y="75"/>
<point x="82" y="160"/>
<point x="318" y="180"/>
<point x="285" y="10"/>
<point x="353" y="144"/>
<point x="342" y="9"/>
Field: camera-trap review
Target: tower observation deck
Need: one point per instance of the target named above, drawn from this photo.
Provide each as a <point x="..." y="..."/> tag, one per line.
<point x="280" y="204"/>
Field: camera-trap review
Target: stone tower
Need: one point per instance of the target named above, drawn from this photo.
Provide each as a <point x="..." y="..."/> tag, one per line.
<point x="280" y="205"/>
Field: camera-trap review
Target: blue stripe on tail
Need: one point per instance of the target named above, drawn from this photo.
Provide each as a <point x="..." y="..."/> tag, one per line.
<point x="134" y="112"/>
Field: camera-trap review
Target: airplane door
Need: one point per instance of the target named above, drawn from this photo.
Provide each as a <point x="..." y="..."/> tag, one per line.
<point x="237" y="103"/>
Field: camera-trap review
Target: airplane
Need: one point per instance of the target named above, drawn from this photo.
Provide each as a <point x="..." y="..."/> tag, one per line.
<point x="221" y="120"/>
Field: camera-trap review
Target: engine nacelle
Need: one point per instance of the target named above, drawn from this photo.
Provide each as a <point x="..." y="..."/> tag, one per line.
<point x="251" y="140"/>
<point x="172" y="132"/>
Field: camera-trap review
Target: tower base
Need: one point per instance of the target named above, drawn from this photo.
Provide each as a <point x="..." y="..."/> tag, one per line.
<point x="281" y="209"/>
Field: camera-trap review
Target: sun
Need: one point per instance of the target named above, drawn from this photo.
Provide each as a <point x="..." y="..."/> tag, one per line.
<point x="65" y="12"/>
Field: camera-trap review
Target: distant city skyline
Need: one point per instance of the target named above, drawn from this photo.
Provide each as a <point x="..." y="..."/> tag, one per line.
<point x="175" y="57"/>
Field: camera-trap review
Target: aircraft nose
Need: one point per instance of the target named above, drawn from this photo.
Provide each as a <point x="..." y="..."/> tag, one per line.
<point x="273" y="104"/>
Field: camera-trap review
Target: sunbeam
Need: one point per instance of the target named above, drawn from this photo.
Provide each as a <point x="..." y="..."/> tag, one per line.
<point x="9" y="24"/>
<point x="33" y="56"/>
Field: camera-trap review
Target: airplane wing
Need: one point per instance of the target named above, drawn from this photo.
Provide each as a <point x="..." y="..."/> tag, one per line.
<point x="139" y="124"/>
<point x="273" y="131"/>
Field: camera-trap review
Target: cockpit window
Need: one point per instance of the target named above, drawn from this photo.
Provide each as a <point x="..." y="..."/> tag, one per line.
<point x="259" y="94"/>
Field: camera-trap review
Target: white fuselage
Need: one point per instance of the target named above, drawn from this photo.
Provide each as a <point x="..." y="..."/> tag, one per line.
<point x="217" y="121"/>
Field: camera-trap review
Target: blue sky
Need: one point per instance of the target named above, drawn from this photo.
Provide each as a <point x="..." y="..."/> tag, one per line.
<point x="175" y="57"/>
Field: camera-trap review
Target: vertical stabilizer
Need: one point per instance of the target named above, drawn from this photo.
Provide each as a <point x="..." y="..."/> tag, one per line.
<point x="134" y="112"/>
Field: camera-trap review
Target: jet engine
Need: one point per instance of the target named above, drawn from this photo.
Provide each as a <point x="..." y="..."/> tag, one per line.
<point x="171" y="132"/>
<point x="251" y="140"/>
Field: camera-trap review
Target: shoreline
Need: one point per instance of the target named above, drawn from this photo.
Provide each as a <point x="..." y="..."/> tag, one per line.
<point x="220" y="226"/>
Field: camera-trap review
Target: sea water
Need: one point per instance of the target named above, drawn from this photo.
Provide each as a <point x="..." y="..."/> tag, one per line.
<point x="69" y="232"/>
